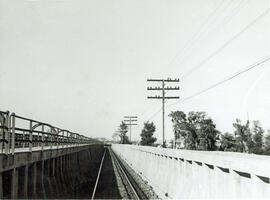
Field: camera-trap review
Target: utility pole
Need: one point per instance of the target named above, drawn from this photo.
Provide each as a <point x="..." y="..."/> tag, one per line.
<point x="163" y="88"/>
<point x="131" y="122"/>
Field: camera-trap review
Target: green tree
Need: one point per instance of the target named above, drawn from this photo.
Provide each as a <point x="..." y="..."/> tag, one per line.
<point x="243" y="136"/>
<point x="267" y="143"/>
<point x="179" y="120"/>
<point x="257" y="138"/>
<point x="123" y="129"/>
<point x="197" y="131"/>
<point x="194" y="121"/>
<point x="148" y="130"/>
<point x="183" y="127"/>
<point x="227" y="142"/>
<point x="208" y="135"/>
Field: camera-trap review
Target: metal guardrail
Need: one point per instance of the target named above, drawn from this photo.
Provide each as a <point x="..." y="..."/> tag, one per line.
<point x="20" y="132"/>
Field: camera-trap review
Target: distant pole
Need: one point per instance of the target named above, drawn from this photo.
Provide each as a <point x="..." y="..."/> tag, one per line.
<point x="163" y="113"/>
<point x="131" y="120"/>
<point x="163" y="97"/>
<point x="130" y="129"/>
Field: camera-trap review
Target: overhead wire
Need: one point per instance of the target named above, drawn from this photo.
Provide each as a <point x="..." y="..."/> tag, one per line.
<point x="246" y="69"/>
<point x="224" y="21"/>
<point x="249" y="25"/>
<point x="214" y="12"/>
<point x="198" y="33"/>
<point x="234" y="12"/>
<point x="213" y="54"/>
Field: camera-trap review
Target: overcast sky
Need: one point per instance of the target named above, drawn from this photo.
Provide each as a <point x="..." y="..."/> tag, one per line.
<point x="83" y="65"/>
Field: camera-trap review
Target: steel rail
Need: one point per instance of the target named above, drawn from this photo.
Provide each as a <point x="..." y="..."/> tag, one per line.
<point x="138" y="193"/>
<point x="99" y="171"/>
<point x="125" y="176"/>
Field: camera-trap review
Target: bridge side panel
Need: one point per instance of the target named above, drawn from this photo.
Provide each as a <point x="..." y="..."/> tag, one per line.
<point x="197" y="174"/>
<point x="66" y="174"/>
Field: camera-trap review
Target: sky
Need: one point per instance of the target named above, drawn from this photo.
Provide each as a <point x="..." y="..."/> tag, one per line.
<point x="82" y="65"/>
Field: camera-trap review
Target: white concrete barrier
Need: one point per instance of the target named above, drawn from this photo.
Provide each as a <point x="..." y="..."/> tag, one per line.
<point x="199" y="174"/>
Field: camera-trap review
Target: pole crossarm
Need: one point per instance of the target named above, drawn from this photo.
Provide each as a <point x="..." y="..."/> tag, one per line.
<point x="159" y="97"/>
<point x="165" y="80"/>
<point x="160" y="88"/>
<point x="130" y="120"/>
<point x="163" y="88"/>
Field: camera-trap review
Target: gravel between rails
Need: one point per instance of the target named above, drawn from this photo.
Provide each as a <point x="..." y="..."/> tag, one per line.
<point x="119" y="181"/>
<point x="147" y="189"/>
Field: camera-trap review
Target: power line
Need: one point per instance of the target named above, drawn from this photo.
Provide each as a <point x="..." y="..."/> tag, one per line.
<point x="248" y="68"/>
<point x="217" y="51"/>
<point x="202" y="30"/>
<point x="224" y="45"/>
<point x="234" y="12"/>
<point x="154" y="114"/>
<point x="224" y="22"/>
<point x="197" y="33"/>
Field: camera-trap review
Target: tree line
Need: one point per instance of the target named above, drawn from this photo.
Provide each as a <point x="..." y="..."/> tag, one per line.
<point x="147" y="138"/>
<point x="197" y="131"/>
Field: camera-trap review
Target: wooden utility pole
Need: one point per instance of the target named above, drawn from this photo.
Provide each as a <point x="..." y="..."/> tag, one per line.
<point x="132" y="120"/>
<point x="163" y="97"/>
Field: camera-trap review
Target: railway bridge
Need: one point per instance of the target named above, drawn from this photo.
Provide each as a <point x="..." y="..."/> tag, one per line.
<point x="39" y="160"/>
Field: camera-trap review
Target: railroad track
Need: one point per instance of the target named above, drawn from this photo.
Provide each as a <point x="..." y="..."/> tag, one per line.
<point x="99" y="172"/>
<point x="132" y="188"/>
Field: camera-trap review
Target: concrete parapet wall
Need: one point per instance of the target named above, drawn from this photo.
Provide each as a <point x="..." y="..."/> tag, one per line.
<point x="199" y="174"/>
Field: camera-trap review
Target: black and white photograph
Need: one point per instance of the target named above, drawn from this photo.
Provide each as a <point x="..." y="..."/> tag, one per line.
<point x="134" y="99"/>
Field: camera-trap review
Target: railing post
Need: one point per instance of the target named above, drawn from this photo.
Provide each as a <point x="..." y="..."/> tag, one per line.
<point x="7" y="130"/>
<point x="42" y="138"/>
<point x="13" y="133"/>
<point x="57" y="142"/>
<point x="31" y="136"/>
<point x="23" y="144"/>
<point x="63" y="140"/>
<point x="1" y="140"/>
<point x="72" y="139"/>
<point x="3" y="130"/>
<point x="1" y="133"/>
<point x="51" y="138"/>
<point x="67" y="139"/>
<point x="38" y="142"/>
